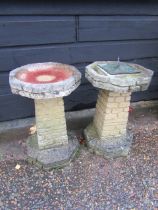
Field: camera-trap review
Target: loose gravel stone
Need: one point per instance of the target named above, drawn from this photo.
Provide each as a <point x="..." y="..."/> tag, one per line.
<point x="90" y="181"/>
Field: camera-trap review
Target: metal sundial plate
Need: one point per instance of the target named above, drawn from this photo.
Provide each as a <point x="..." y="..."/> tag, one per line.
<point x="115" y="68"/>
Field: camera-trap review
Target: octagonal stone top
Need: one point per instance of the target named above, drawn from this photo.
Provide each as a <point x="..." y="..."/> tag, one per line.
<point x="44" y="80"/>
<point x="118" y="76"/>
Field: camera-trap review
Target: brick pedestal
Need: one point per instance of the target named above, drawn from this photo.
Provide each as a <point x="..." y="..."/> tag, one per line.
<point x="50" y="122"/>
<point x="107" y="135"/>
<point x="47" y="83"/>
<point x="111" y="114"/>
<point x="52" y="146"/>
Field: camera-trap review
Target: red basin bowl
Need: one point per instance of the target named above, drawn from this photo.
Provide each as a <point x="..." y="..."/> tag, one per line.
<point x="43" y="76"/>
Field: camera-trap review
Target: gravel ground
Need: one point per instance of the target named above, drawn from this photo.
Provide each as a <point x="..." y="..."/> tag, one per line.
<point x="89" y="182"/>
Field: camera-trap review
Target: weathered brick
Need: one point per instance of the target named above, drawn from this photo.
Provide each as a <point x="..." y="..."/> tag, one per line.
<point x="112" y="105"/>
<point x="111" y="100"/>
<point x="111" y="115"/>
<point x="127" y="98"/>
<point x="120" y="99"/>
<point x="124" y="104"/>
<point x="122" y="115"/>
<point x="118" y="110"/>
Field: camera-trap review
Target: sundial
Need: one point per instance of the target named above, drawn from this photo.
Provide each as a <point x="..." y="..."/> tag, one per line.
<point x="117" y="67"/>
<point x="118" y="76"/>
<point x="108" y="134"/>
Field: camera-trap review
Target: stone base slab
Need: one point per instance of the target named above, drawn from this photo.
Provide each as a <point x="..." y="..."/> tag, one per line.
<point x="55" y="157"/>
<point x="115" y="148"/>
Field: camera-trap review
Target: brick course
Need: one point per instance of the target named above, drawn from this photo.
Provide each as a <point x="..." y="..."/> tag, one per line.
<point x="111" y="115"/>
<point x="50" y="121"/>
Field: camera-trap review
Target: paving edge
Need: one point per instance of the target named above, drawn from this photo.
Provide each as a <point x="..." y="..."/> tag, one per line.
<point x="75" y="120"/>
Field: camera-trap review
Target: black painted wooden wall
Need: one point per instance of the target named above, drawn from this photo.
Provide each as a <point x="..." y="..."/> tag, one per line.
<point x="75" y="33"/>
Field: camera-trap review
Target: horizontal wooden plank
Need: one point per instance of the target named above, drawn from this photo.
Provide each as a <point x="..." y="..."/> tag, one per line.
<point x="83" y="97"/>
<point x="79" y="8"/>
<point x="102" y="28"/>
<point x="36" y="30"/>
<point x="5" y="88"/>
<point x="14" y="107"/>
<point x="11" y="58"/>
<point x="151" y="63"/>
<point x="125" y="50"/>
<point x="4" y="84"/>
<point x="144" y="96"/>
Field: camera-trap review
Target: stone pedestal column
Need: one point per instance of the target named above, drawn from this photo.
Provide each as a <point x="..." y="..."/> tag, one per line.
<point x="50" y="122"/>
<point x="108" y="134"/>
<point x="47" y="83"/>
<point x="111" y="115"/>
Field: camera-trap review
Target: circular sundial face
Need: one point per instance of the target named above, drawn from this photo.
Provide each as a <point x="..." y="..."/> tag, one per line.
<point x="43" y="76"/>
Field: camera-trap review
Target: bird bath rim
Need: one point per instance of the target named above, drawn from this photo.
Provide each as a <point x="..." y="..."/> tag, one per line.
<point x="46" y="89"/>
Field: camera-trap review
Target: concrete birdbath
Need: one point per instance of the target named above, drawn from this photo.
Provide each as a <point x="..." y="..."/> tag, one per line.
<point x="47" y="84"/>
<point x="107" y="134"/>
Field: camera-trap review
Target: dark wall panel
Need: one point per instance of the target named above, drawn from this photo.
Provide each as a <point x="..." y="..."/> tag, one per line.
<point x="75" y="33"/>
<point x="102" y="28"/>
<point x="112" y="7"/>
<point x="4" y="84"/>
<point x="36" y="30"/>
<point x="89" y="52"/>
<point x="13" y="107"/>
<point x="151" y="63"/>
<point x="11" y="58"/>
